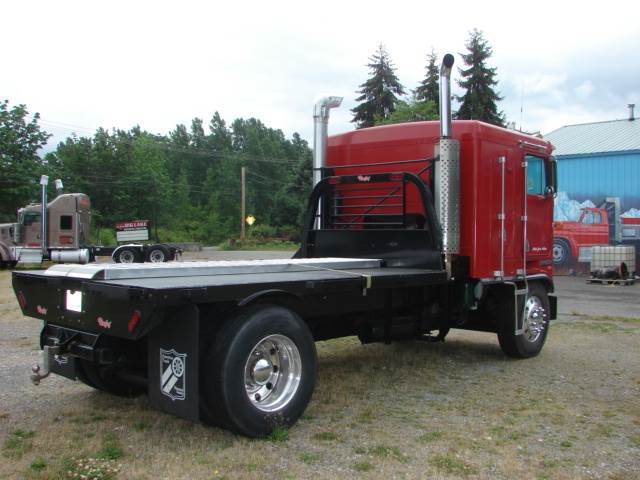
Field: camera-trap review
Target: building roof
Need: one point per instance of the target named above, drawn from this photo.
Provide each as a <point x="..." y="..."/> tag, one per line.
<point x="598" y="137"/>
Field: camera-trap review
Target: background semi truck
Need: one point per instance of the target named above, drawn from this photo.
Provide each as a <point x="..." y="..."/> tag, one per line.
<point x="59" y="231"/>
<point x="411" y="230"/>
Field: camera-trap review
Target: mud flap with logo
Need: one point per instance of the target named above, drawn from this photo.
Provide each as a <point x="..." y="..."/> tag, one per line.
<point x="173" y="364"/>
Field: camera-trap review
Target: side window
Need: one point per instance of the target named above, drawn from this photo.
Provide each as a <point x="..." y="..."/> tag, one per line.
<point x="591" y="218"/>
<point x="66" y="222"/>
<point x="31" y="218"/>
<point x="535" y="175"/>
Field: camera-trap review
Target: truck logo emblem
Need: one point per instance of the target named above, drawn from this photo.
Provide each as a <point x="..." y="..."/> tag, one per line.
<point x="173" y="366"/>
<point x="41" y="310"/>
<point x="104" y="323"/>
<point x="364" y="178"/>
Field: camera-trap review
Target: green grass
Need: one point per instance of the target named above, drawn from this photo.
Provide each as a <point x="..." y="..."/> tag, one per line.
<point x="383" y="451"/>
<point x="429" y="437"/>
<point x="452" y="465"/>
<point x="111" y="449"/>
<point x="363" y="466"/>
<point x="271" y="245"/>
<point x="309" y="457"/>
<point x="17" y="444"/>
<point x="279" y="434"/>
<point x="38" y="465"/>
<point x="140" y="426"/>
<point x="326" y="436"/>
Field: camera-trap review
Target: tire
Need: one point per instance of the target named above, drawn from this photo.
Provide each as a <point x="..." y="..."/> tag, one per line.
<point x="157" y="254"/>
<point x="561" y="251"/>
<point x="127" y="255"/>
<point x="259" y="372"/>
<point x="99" y="378"/>
<point x="536" y="324"/>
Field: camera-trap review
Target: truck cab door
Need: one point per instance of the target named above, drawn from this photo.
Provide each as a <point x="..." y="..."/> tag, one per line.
<point x="540" y="193"/>
<point x="31" y="229"/>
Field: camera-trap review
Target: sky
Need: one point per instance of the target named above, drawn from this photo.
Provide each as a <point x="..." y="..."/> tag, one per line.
<point x="117" y="64"/>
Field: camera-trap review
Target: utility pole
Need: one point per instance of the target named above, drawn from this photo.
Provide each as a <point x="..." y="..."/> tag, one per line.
<point x="242" y="201"/>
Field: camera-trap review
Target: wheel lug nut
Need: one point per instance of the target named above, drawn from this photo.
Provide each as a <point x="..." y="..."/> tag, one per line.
<point x="257" y="397"/>
<point x="269" y="385"/>
<point x="275" y="369"/>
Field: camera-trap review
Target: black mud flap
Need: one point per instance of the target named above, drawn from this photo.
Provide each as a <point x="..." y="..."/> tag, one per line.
<point x="174" y="363"/>
<point x="553" y="306"/>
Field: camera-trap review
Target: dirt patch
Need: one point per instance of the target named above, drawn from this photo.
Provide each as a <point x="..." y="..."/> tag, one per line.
<point x="409" y="410"/>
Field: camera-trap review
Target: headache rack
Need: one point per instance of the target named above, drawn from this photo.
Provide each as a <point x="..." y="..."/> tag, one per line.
<point x="382" y="214"/>
<point x="371" y="200"/>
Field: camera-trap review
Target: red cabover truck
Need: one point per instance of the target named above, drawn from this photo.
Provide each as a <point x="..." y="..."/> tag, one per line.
<point x="411" y="230"/>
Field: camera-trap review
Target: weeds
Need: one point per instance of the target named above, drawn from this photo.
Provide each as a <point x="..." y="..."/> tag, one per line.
<point x="363" y="466"/>
<point x="326" y="436"/>
<point x="38" y="465"/>
<point x="91" y="468"/>
<point x="429" y="437"/>
<point x="452" y="465"/>
<point x="111" y="449"/>
<point x="279" y="434"/>
<point x="18" y="443"/>
<point x="309" y="457"/>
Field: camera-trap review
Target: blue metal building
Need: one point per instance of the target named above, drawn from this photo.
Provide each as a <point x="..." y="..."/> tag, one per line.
<point x="598" y="160"/>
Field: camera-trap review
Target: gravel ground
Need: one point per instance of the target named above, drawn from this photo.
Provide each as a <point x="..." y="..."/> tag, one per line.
<point x="409" y="410"/>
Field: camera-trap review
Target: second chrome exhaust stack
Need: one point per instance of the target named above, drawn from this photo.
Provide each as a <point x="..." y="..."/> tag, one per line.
<point x="447" y="170"/>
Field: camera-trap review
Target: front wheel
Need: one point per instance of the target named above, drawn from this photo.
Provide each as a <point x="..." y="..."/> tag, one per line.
<point x="535" y="325"/>
<point x="260" y="371"/>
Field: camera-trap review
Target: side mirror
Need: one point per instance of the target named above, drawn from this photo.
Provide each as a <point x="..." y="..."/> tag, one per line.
<point x="549" y="191"/>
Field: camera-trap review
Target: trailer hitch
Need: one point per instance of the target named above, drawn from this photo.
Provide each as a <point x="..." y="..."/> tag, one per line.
<point x="38" y="373"/>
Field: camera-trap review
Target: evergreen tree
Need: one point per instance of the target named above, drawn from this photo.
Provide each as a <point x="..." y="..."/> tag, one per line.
<point x="378" y="94"/>
<point x="429" y="88"/>
<point x="20" y="164"/>
<point x="479" y="101"/>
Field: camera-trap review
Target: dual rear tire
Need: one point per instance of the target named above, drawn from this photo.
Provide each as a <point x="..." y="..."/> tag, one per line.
<point x="259" y="371"/>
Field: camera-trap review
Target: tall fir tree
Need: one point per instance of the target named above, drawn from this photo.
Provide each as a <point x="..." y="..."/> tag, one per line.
<point x="479" y="81"/>
<point x="429" y="88"/>
<point x="378" y="95"/>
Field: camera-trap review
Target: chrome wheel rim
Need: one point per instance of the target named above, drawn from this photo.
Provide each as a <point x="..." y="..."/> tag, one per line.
<point x="534" y="319"/>
<point x="126" y="257"/>
<point x="272" y="373"/>
<point x="156" y="256"/>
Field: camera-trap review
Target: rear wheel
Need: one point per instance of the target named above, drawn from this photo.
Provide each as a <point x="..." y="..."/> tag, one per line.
<point x="127" y="255"/>
<point x="561" y="251"/>
<point x="260" y="371"/>
<point x="101" y="378"/>
<point x="535" y="324"/>
<point x="157" y="254"/>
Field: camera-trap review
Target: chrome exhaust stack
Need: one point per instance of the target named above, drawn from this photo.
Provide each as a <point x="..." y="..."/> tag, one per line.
<point x="447" y="171"/>
<point x="44" y="181"/>
<point x="320" y="133"/>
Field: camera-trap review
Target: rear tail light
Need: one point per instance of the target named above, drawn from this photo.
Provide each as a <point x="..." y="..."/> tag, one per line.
<point x="133" y="321"/>
<point x="22" y="300"/>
